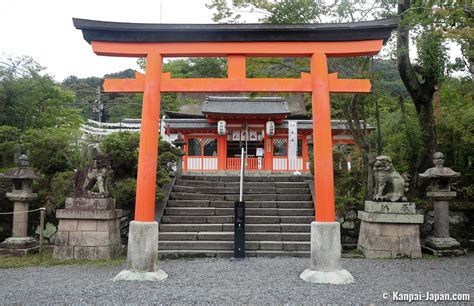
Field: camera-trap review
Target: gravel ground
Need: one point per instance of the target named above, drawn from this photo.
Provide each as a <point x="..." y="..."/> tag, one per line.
<point x="254" y="280"/>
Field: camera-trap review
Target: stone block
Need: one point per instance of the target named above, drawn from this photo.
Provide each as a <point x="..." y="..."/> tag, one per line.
<point x="75" y="238"/>
<point x="62" y="238"/>
<point x="380" y="243"/>
<point x="84" y="252"/>
<point x="95" y="238"/>
<point x="90" y="203"/>
<point x="387" y="229"/>
<point x="63" y="252"/>
<point x="376" y="254"/>
<point x="106" y="225"/>
<point x="107" y="252"/>
<point x="67" y="225"/>
<point x="87" y="225"/>
<point x="390" y="207"/>
<point x="410" y="243"/>
<point x="88" y="214"/>
<point x="390" y="218"/>
<point x="409" y="230"/>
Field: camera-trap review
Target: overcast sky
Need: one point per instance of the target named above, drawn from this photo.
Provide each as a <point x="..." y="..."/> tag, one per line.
<point x="43" y="29"/>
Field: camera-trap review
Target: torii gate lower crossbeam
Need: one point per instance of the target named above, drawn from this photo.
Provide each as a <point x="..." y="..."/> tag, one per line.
<point x="319" y="82"/>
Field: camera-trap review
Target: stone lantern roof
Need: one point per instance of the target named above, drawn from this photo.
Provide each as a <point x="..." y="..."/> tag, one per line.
<point x="439" y="171"/>
<point x="22" y="171"/>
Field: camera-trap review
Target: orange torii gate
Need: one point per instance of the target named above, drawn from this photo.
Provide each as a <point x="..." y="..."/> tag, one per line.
<point x="236" y="42"/>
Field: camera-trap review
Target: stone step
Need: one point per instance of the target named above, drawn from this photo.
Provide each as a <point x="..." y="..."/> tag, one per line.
<point x="263" y="204"/>
<point x="236" y="190"/>
<point x="179" y="188"/>
<point x="293" y="190"/>
<point x="190" y="228"/>
<point x="230" y="219"/>
<point x="229" y="245"/>
<point x="269" y="184"/>
<point x="188" y="203"/>
<point x="270" y="197"/>
<point x="210" y="211"/>
<point x="204" y="245"/>
<point x="229" y="227"/>
<point x="195" y="196"/>
<point x="194" y="183"/>
<point x="190" y="211"/>
<point x="174" y="254"/>
<point x="229" y="236"/>
<point x="233" y="190"/>
<point x="252" y="197"/>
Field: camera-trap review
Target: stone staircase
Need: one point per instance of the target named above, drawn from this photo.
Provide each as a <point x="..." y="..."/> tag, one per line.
<point x="199" y="218"/>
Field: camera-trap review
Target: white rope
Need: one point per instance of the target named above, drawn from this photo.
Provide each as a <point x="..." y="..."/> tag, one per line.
<point x="25" y="211"/>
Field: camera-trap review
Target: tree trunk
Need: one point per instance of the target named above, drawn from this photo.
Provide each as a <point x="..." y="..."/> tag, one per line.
<point x="421" y="92"/>
<point x="370" y="176"/>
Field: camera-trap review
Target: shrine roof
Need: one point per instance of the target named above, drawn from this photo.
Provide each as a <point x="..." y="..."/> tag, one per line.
<point x="245" y="106"/>
<point x="95" y="30"/>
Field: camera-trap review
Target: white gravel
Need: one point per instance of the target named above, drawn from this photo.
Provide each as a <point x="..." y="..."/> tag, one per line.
<point x="251" y="281"/>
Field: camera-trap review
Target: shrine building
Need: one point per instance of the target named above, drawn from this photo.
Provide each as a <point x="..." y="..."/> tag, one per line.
<point x="275" y="132"/>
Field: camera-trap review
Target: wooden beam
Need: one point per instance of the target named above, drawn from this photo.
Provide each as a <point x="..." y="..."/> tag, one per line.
<point x="255" y="49"/>
<point x="169" y="84"/>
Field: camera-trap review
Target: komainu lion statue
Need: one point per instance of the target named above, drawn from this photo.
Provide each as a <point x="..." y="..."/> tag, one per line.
<point x="389" y="184"/>
<point x="97" y="173"/>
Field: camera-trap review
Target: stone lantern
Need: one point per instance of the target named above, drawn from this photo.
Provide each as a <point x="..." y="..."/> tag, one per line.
<point x="441" y="244"/>
<point x="21" y="194"/>
<point x="179" y="143"/>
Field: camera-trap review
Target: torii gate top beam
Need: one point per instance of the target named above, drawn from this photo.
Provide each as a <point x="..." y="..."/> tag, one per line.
<point x="320" y="32"/>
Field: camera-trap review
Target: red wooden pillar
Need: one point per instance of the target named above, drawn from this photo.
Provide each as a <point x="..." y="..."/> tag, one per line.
<point x="323" y="166"/>
<point x="149" y="138"/>
<point x="221" y="151"/>
<point x="185" y="157"/>
<point x="304" y="147"/>
<point x="267" y="151"/>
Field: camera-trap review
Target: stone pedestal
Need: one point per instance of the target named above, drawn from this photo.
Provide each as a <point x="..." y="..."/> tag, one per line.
<point x="325" y="264"/>
<point x="89" y="228"/>
<point x="142" y="254"/>
<point x="390" y="230"/>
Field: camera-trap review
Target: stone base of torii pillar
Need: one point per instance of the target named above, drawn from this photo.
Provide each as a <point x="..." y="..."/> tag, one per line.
<point x="326" y="249"/>
<point x="142" y="254"/>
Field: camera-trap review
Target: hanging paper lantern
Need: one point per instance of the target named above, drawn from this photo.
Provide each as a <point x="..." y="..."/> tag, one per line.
<point x="221" y="128"/>
<point x="270" y="128"/>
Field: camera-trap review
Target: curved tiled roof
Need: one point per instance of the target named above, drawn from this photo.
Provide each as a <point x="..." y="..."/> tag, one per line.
<point x="95" y="30"/>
